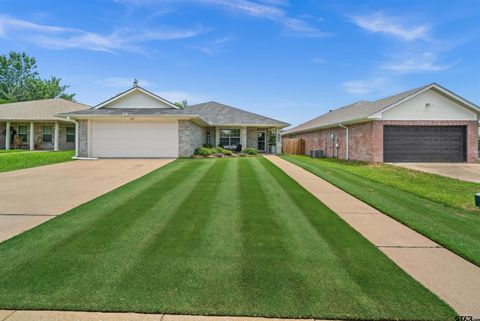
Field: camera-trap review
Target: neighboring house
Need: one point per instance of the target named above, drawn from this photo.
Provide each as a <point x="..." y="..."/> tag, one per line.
<point x="426" y="124"/>
<point x="138" y="123"/>
<point x="33" y="125"/>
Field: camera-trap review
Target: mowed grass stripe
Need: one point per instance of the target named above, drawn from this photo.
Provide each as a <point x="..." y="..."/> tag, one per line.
<point x="215" y="237"/>
<point x="174" y="261"/>
<point x="267" y="274"/>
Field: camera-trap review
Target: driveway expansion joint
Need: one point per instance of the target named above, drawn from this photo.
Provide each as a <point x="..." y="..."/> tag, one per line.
<point x="8" y="316"/>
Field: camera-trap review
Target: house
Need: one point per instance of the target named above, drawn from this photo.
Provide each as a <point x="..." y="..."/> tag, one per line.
<point x="138" y="123"/>
<point x="426" y="124"/>
<point x="34" y="125"/>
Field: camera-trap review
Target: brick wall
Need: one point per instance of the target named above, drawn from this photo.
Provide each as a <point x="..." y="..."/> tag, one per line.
<point x="366" y="139"/>
<point x="190" y="136"/>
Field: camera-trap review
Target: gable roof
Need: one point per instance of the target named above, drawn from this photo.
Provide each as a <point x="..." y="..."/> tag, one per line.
<point x="134" y="89"/>
<point x="209" y="113"/>
<point x="363" y="110"/>
<point x="220" y="114"/>
<point x="45" y="109"/>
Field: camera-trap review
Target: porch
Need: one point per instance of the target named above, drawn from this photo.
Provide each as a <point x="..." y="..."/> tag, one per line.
<point x="264" y="139"/>
<point x="37" y="135"/>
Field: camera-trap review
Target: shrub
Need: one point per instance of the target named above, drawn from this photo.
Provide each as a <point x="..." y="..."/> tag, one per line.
<point x="223" y="151"/>
<point x="207" y="145"/>
<point x="203" y="151"/>
<point x="250" y="151"/>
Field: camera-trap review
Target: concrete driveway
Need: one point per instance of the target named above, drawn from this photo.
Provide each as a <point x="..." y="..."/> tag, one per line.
<point x="29" y="197"/>
<point x="464" y="172"/>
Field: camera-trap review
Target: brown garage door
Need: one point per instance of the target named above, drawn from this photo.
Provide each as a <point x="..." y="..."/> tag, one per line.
<point x="424" y="144"/>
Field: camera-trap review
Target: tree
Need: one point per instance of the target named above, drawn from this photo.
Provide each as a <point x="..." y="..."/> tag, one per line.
<point x="20" y="81"/>
<point x="183" y="104"/>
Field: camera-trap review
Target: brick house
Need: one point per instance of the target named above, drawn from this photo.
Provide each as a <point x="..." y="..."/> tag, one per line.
<point x="426" y="124"/>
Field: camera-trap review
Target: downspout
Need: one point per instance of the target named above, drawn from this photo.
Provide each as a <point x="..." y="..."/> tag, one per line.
<point x="346" y="140"/>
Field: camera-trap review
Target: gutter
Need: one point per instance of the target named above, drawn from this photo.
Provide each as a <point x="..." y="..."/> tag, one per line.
<point x="346" y="140"/>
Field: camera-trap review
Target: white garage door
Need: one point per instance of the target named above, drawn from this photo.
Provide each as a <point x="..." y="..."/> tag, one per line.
<point x="134" y="139"/>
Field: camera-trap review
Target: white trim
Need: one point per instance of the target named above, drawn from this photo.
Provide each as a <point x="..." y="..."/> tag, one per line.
<point x="55" y="137"/>
<point x="131" y="90"/>
<point x="32" y="136"/>
<point x="84" y="158"/>
<point x="7" y="135"/>
<point x="446" y="92"/>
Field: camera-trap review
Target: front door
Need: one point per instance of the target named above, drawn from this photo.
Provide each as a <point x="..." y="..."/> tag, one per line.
<point x="261" y="141"/>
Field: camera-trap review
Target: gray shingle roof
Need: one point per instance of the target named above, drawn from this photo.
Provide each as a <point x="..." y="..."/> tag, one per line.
<point x="356" y="111"/>
<point x="45" y="109"/>
<point x="221" y="114"/>
<point x="211" y="112"/>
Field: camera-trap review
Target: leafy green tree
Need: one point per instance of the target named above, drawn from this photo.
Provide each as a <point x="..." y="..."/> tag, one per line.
<point x="20" y="81"/>
<point x="183" y="104"/>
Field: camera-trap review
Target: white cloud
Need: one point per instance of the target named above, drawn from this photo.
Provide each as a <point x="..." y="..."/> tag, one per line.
<point x="213" y="47"/>
<point x="55" y="37"/>
<point x="397" y="27"/>
<point x="267" y="9"/>
<point x="424" y="62"/>
<point x="362" y="87"/>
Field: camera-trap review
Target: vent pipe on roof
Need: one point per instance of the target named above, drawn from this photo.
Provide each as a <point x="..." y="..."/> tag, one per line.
<point x="346" y="140"/>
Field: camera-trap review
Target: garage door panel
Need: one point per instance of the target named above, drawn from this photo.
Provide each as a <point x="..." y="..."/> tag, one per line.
<point x="134" y="139"/>
<point x="424" y="143"/>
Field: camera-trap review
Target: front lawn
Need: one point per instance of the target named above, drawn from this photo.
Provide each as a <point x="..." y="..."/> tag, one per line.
<point x="10" y="161"/>
<point x="209" y="236"/>
<point x="440" y="208"/>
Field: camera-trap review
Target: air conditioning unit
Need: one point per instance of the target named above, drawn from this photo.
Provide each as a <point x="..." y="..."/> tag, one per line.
<point x="316" y="153"/>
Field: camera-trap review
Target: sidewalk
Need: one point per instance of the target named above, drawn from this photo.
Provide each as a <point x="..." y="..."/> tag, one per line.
<point x="450" y="277"/>
<point x="99" y="316"/>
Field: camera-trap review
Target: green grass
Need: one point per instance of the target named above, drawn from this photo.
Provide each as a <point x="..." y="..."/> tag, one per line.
<point x="10" y="151"/>
<point x="214" y="237"/>
<point x="435" y="206"/>
<point x="25" y="159"/>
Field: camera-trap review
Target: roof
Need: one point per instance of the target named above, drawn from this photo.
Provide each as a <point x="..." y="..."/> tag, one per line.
<point x="220" y="114"/>
<point x="45" y="109"/>
<point x="362" y="110"/>
<point x="212" y="113"/>
<point x="136" y="88"/>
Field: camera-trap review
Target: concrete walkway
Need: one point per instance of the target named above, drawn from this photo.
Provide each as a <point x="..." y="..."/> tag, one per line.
<point x="98" y="316"/>
<point x="464" y="172"/>
<point x="449" y="276"/>
<point x="29" y="197"/>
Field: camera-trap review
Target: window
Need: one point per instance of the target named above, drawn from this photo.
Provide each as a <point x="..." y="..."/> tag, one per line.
<point x="70" y="134"/>
<point x="47" y="136"/>
<point x="230" y="138"/>
<point x="22" y="133"/>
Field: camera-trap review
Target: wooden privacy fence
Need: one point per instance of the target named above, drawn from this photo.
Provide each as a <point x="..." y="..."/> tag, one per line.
<point x="294" y="146"/>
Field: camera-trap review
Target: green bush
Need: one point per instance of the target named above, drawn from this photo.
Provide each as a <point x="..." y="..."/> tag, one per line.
<point x="204" y="151"/>
<point x="223" y="151"/>
<point x="250" y="151"/>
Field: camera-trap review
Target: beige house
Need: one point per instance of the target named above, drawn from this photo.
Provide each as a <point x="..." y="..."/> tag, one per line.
<point x="32" y="125"/>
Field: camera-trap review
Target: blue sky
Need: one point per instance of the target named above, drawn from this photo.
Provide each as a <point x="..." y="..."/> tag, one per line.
<point x="291" y="60"/>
